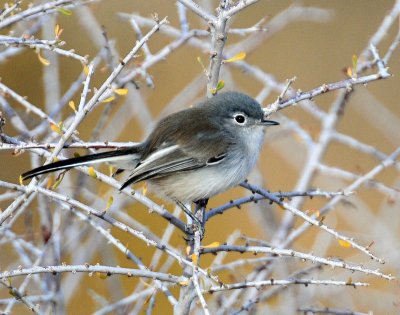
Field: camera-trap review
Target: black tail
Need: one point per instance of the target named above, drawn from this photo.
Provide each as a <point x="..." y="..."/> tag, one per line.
<point x="124" y="154"/>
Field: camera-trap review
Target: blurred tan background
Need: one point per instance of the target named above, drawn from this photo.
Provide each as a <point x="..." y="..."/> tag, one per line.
<point x="314" y="52"/>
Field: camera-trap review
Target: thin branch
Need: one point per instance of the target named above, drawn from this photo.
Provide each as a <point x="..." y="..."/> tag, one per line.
<point x="281" y="195"/>
<point x="305" y="282"/>
<point x="37" y="10"/>
<point x="106" y="270"/>
<point x="194" y="7"/>
<point x="329" y="310"/>
<point x="292" y="253"/>
<point x="312" y="220"/>
<point x="20" y="297"/>
<point x="347" y="84"/>
<point x="389" y="161"/>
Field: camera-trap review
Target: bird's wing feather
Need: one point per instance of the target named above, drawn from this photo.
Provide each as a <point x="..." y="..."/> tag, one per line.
<point x="164" y="162"/>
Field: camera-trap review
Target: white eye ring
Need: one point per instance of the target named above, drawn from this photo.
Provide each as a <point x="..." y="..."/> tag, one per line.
<point x="240" y="119"/>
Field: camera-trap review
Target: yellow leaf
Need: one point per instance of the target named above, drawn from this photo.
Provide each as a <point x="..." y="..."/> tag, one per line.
<point x="188" y="249"/>
<point x="220" y="85"/>
<point x="72" y="105"/>
<point x="101" y="275"/>
<point x="43" y="60"/>
<point x="64" y="11"/>
<point x="349" y="72"/>
<point x="354" y="60"/>
<point x="344" y="243"/>
<point x="121" y="91"/>
<point x="86" y="70"/>
<point x="92" y="172"/>
<point x="201" y="64"/>
<point x="58" y="181"/>
<point x="55" y="128"/>
<point x="21" y="181"/>
<point x="109" y="202"/>
<point x="111" y="170"/>
<point x="13" y="293"/>
<point x="49" y="182"/>
<point x="58" y="31"/>
<point x="195" y="258"/>
<point x="184" y="283"/>
<point x="144" y="192"/>
<point x="212" y="245"/>
<point x="315" y="212"/>
<point x="108" y="99"/>
<point x="239" y="56"/>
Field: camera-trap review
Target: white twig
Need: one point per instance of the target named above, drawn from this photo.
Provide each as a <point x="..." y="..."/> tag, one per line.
<point x="292" y="253"/>
<point x="260" y="284"/>
<point x="107" y="270"/>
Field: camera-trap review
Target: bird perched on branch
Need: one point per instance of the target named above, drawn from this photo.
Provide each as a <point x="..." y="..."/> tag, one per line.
<point x="192" y="154"/>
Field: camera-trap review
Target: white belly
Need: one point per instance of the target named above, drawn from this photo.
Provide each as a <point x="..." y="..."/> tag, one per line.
<point x="213" y="179"/>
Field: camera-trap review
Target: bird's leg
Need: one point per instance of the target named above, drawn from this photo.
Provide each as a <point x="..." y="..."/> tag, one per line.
<point x="189" y="229"/>
<point x="200" y="213"/>
<point x="198" y="220"/>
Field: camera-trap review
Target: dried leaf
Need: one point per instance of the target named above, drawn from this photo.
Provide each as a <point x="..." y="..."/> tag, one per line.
<point x="354" y="60"/>
<point x="109" y="203"/>
<point x="64" y="11"/>
<point x="101" y="275"/>
<point x="58" y="31"/>
<point x="212" y="245"/>
<point x="58" y="180"/>
<point x="201" y="64"/>
<point x="50" y="181"/>
<point x="108" y="99"/>
<point x="43" y="60"/>
<point x="144" y="191"/>
<point x="316" y="212"/>
<point x="72" y="105"/>
<point x="13" y="293"/>
<point x="92" y="172"/>
<point x="121" y="91"/>
<point x="184" y="283"/>
<point x="56" y="128"/>
<point x="195" y="258"/>
<point x="239" y="56"/>
<point x="349" y="72"/>
<point x="85" y="69"/>
<point x="344" y="243"/>
<point x="111" y="170"/>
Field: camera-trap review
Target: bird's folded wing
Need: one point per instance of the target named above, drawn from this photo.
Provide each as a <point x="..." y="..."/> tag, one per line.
<point x="163" y="162"/>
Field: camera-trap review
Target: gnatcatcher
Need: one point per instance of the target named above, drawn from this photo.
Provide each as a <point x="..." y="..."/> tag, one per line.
<point x="193" y="154"/>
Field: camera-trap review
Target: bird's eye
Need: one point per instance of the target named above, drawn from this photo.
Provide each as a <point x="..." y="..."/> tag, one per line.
<point x="240" y="119"/>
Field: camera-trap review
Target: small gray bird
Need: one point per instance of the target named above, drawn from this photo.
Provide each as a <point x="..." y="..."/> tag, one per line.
<point x="193" y="154"/>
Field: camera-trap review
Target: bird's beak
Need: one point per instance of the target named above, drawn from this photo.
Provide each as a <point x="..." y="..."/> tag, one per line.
<point x="266" y="122"/>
